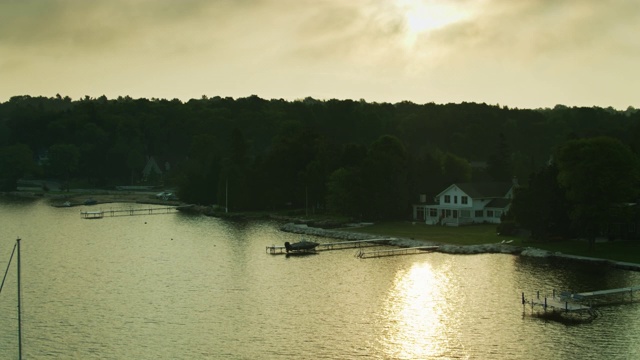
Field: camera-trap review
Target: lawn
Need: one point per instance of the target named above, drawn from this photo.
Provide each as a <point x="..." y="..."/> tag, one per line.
<point x="465" y="235"/>
<point x="627" y="251"/>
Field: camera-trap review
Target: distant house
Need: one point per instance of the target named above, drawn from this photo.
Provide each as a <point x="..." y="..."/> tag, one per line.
<point x="151" y="169"/>
<point x="466" y="203"/>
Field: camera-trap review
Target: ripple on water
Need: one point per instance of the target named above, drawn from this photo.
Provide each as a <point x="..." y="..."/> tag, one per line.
<point x="177" y="286"/>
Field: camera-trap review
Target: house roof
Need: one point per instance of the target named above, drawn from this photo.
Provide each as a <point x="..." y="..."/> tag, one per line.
<point x="485" y="190"/>
<point x="150" y="166"/>
<point x="498" y="203"/>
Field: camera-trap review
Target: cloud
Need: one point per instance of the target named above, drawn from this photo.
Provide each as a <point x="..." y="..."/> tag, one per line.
<point x="529" y="29"/>
<point x="326" y="48"/>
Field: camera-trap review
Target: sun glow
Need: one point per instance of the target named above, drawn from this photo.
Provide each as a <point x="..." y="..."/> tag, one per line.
<point x="421" y="17"/>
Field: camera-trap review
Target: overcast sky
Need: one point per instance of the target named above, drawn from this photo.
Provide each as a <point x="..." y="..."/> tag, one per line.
<point x="519" y="53"/>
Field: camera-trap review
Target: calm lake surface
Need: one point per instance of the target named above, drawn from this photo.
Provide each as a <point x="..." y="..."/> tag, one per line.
<point x="178" y="286"/>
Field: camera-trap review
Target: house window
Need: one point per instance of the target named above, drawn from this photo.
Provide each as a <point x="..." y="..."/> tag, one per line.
<point x="489" y="213"/>
<point x="497" y="213"/>
<point x="433" y="212"/>
<point x="464" y="200"/>
<point x="447" y="199"/>
<point x="478" y="213"/>
<point x="465" y="213"/>
<point x="448" y="213"/>
<point x="455" y="199"/>
<point x="420" y="213"/>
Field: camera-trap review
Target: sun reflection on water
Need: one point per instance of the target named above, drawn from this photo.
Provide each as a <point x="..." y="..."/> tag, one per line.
<point x="417" y="315"/>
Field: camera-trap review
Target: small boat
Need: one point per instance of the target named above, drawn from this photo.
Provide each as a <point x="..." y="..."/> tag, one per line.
<point x="301" y="246"/>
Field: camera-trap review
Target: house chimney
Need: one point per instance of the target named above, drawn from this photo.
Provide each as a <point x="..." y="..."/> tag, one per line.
<point x="423" y="198"/>
<point x="514" y="181"/>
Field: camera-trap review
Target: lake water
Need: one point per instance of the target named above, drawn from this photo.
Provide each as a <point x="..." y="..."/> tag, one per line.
<point x="179" y="286"/>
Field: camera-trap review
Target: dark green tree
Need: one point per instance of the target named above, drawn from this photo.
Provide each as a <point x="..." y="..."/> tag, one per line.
<point x="63" y="160"/>
<point x="499" y="164"/>
<point x="234" y="178"/>
<point x="542" y="207"/>
<point x="384" y="178"/>
<point x="345" y="192"/>
<point x="597" y="174"/>
<point x="198" y="182"/>
<point x="286" y="164"/>
<point x="16" y="161"/>
<point x="455" y="169"/>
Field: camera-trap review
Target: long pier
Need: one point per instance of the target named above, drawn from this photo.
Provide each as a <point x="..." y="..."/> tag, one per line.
<point x="277" y="249"/>
<point x="598" y="293"/>
<point x="128" y="212"/>
<point x="393" y="252"/>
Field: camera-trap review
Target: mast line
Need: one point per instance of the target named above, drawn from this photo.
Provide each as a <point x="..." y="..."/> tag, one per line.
<point x="19" y="306"/>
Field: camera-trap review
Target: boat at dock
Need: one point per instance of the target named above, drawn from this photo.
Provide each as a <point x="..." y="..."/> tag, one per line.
<point x="277" y="249"/>
<point x="301" y="246"/>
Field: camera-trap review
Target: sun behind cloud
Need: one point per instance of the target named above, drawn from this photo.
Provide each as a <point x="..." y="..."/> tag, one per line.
<point x="422" y="17"/>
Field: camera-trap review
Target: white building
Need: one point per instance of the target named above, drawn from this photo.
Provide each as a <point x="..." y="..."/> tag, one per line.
<point x="466" y="203"/>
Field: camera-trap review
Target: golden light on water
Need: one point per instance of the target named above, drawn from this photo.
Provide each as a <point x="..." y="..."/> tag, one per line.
<point x="417" y="315"/>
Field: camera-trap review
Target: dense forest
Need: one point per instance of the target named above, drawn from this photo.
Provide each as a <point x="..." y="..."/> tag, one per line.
<point x="364" y="160"/>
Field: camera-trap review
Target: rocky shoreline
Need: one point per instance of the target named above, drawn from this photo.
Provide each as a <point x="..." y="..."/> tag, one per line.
<point x="495" y="248"/>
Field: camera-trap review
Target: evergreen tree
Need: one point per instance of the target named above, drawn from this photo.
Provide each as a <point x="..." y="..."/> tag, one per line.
<point x="499" y="164"/>
<point x="597" y="174"/>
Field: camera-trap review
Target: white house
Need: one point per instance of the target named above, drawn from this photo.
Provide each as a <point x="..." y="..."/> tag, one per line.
<point x="466" y="203"/>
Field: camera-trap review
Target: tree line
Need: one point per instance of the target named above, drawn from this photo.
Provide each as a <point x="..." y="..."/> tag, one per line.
<point x="359" y="159"/>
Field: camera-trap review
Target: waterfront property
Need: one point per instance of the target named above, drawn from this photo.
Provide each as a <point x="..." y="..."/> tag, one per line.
<point x="466" y="203"/>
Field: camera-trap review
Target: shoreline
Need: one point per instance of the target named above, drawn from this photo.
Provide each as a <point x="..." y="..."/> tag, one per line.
<point x="95" y="197"/>
<point x="292" y="225"/>
<point x="493" y="248"/>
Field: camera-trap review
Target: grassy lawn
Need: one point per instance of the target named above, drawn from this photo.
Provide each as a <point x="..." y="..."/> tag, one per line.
<point x="465" y="235"/>
<point x="627" y="251"/>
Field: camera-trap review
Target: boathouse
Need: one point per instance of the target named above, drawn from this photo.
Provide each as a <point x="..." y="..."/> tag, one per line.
<point x="466" y="203"/>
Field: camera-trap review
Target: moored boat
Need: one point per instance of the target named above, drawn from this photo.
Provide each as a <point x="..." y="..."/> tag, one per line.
<point x="301" y="246"/>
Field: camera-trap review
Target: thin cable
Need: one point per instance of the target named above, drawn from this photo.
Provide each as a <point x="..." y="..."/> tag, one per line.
<point x="9" y="264"/>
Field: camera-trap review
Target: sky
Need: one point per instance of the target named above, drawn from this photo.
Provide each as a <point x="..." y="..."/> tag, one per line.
<point x="516" y="53"/>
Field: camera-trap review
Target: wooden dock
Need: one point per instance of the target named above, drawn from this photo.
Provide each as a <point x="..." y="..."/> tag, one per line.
<point x="128" y="212"/>
<point x="394" y="252"/>
<point x="555" y="303"/>
<point x="277" y="249"/>
<point x="351" y="244"/>
<point x="92" y="214"/>
<point x="579" y="302"/>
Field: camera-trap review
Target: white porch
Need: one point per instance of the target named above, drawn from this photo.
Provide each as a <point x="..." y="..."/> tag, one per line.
<point x="448" y="216"/>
